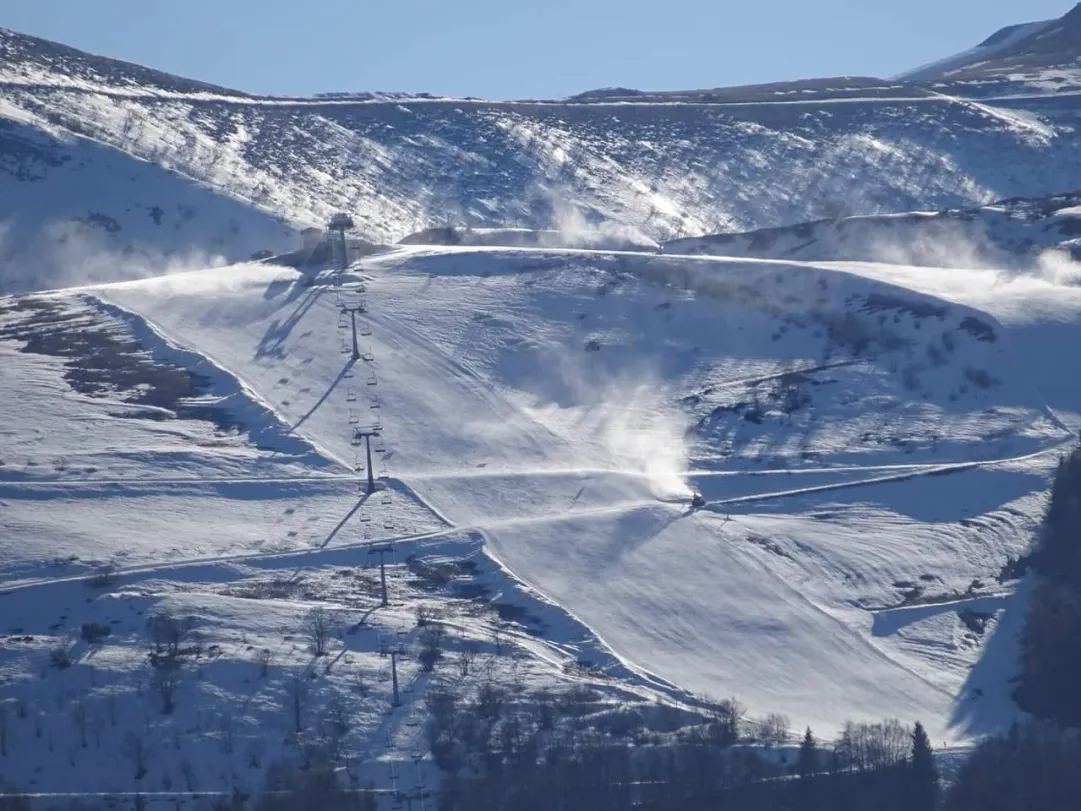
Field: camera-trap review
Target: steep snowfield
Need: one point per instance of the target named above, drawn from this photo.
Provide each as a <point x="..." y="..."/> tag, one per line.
<point x="1013" y="233"/>
<point x="659" y="168"/>
<point x="73" y="210"/>
<point x="848" y="434"/>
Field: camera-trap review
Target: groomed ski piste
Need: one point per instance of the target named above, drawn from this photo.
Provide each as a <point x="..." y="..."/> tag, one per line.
<point x="873" y="444"/>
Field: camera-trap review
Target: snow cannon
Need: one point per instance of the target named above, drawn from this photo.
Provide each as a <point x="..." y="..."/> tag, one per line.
<point x="697" y="501"/>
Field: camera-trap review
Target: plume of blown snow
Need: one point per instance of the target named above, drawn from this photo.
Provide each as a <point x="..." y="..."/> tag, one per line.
<point x="1059" y="268"/>
<point x="628" y="418"/>
<point x="66" y="255"/>
<point x="576" y="230"/>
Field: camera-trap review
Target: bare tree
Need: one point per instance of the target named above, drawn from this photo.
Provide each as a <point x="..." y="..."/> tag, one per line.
<point x="188" y="773"/>
<point x="264" y="662"/>
<point x="467" y="654"/>
<point x="320" y="625"/>
<point x="297" y="691"/>
<point x="167" y="634"/>
<point x="498" y="637"/>
<point x="773" y="730"/>
<point x="225" y="723"/>
<point x="79" y="720"/>
<point x="336" y="725"/>
<point x="431" y="650"/>
<point x="134" y="749"/>
<point x="165" y="680"/>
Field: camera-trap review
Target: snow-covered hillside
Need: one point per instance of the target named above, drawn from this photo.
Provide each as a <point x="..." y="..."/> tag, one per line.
<point x="1036" y="234"/>
<point x="874" y="458"/>
<point x="1036" y="59"/>
<point x="986" y="50"/>
<point x="657" y="167"/>
<point x="871" y="406"/>
<point x="73" y="210"/>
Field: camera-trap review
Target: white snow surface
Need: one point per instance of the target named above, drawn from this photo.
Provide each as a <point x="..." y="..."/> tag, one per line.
<point x="574" y="464"/>
<point x="235" y="174"/>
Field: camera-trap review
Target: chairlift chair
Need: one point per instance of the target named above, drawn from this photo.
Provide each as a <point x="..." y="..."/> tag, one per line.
<point x="357" y="440"/>
<point x="365" y="328"/>
<point x="349" y="374"/>
<point x="354" y="417"/>
<point x="372" y="379"/>
<point x="367" y="356"/>
<point x="377" y="426"/>
<point x="374" y="403"/>
<point x="365" y="518"/>
<point x="379" y="446"/>
<point x="351" y="395"/>
<point x="343" y="322"/>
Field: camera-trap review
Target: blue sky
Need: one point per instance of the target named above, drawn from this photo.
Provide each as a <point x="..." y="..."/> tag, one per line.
<point x="518" y="48"/>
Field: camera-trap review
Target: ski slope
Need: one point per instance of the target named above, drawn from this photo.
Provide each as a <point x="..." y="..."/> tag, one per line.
<point x="562" y="403"/>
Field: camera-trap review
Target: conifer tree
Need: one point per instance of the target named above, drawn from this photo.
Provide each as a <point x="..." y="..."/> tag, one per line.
<point x="923" y="782"/>
<point x="807" y="761"/>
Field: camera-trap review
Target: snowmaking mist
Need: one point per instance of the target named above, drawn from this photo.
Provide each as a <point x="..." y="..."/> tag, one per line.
<point x="634" y="427"/>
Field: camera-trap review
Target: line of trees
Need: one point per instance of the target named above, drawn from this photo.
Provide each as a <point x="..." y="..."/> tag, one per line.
<point x="504" y="748"/>
<point x="1050" y="659"/>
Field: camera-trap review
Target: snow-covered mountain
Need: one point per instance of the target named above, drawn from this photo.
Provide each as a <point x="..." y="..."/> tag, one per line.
<point x="1041" y="57"/>
<point x="1015" y="233"/>
<point x="871" y="407"/>
<point x="662" y="165"/>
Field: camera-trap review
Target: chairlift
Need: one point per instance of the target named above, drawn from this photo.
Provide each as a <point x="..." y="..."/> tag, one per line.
<point x="354" y="417"/>
<point x="365" y="517"/>
<point x="365" y="328"/>
<point x="372" y="379"/>
<point x="379" y="446"/>
<point x="351" y="395"/>
<point x="374" y="403"/>
<point x="383" y="476"/>
<point x="388" y="523"/>
<point x="357" y="440"/>
<point x="349" y="374"/>
<point x="343" y="322"/>
<point x="345" y="349"/>
<point x="377" y="426"/>
<point x="367" y="355"/>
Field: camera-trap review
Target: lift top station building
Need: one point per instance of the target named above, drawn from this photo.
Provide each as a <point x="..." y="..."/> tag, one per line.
<point x="330" y="245"/>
